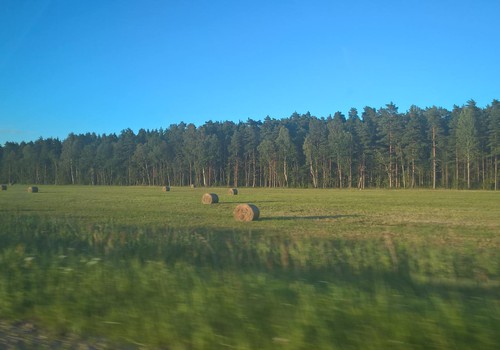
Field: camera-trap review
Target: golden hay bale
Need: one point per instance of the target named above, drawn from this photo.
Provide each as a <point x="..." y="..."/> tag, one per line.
<point x="33" y="189"/>
<point x="4" y="187"/>
<point x="233" y="191"/>
<point x="210" y="198"/>
<point x="246" y="212"/>
<point x="165" y="188"/>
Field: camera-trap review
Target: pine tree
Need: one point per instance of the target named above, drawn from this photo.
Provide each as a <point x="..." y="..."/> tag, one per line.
<point x="494" y="138"/>
<point x="467" y="140"/>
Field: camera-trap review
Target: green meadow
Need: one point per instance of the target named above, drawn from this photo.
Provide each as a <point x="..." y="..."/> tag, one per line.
<point x="138" y="268"/>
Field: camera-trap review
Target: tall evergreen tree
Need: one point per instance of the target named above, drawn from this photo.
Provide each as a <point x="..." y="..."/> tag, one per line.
<point x="285" y="151"/>
<point x="435" y="120"/>
<point x="123" y="151"/>
<point x="340" y="145"/>
<point x="70" y="157"/>
<point x="494" y="138"/>
<point x="104" y="160"/>
<point x="390" y="138"/>
<point x="353" y="126"/>
<point x="316" y="151"/>
<point x="467" y="140"/>
<point x="415" y="144"/>
<point x="268" y="161"/>
<point x="369" y="138"/>
<point x="235" y="153"/>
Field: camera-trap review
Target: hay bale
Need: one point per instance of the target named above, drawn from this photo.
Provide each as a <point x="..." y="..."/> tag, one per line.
<point x="4" y="187"/>
<point x="192" y="186"/>
<point x="246" y="212"/>
<point x="165" y="188"/>
<point x="233" y="191"/>
<point x="33" y="189"/>
<point x="210" y="198"/>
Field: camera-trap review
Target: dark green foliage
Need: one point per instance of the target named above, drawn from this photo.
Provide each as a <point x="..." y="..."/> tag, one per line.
<point x="429" y="147"/>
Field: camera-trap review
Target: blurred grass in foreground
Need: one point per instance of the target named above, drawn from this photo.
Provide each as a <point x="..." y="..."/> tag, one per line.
<point x="140" y="286"/>
<point x="138" y="268"/>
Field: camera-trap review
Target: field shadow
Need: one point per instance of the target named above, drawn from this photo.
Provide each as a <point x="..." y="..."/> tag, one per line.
<point x="313" y="217"/>
<point x="253" y="202"/>
<point x="236" y="202"/>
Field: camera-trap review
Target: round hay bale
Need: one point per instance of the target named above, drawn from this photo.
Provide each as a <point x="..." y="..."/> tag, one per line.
<point x="165" y="188"/>
<point x="33" y="189"/>
<point x="233" y="191"/>
<point x="246" y="212"/>
<point x="4" y="187"/>
<point x="210" y="198"/>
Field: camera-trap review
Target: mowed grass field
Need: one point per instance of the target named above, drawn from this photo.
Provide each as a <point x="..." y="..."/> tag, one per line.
<point x="136" y="267"/>
<point x="300" y="211"/>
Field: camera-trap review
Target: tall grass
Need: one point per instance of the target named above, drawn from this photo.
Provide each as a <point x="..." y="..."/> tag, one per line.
<point x="306" y="277"/>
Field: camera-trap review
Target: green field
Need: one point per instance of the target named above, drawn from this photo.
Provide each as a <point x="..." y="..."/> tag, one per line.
<point x="138" y="268"/>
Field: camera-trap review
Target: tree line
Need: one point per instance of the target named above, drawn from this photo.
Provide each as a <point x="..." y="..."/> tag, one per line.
<point x="377" y="148"/>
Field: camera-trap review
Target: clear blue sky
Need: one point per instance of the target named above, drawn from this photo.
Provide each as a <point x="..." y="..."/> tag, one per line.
<point x="104" y="66"/>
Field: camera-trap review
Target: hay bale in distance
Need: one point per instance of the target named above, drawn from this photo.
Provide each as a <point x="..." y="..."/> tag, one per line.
<point x="210" y="198"/>
<point x="4" y="187"/>
<point x="33" y="189"/>
<point x="192" y="186"/>
<point x="165" y="188"/>
<point x="246" y="212"/>
<point x="233" y="191"/>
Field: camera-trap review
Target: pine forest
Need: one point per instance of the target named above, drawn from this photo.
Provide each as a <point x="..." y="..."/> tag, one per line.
<point x="373" y="148"/>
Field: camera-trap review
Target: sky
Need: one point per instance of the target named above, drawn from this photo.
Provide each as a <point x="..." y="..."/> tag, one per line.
<point x="78" y="66"/>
